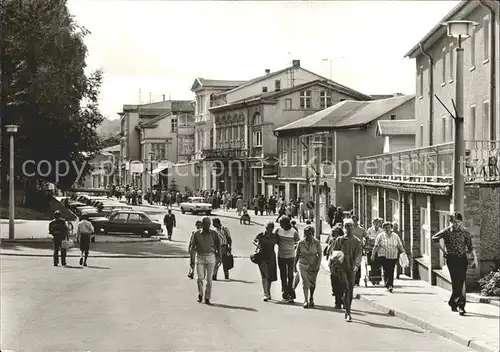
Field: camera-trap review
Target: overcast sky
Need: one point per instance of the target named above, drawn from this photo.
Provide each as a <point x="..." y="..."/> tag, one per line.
<point x="160" y="47"/>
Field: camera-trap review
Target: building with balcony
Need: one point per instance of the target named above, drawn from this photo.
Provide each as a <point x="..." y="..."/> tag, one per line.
<point x="154" y="127"/>
<point x="245" y="151"/>
<point x="205" y="90"/>
<point x="414" y="186"/>
<point x="347" y="129"/>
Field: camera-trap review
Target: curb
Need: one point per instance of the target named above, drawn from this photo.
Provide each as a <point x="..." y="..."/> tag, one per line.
<point x="49" y="240"/>
<point x="476" y="345"/>
<point x="485" y="300"/>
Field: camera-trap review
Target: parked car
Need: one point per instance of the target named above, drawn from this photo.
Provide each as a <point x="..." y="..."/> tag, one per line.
<point x="196" y="205"/>
<point x="106" y="210"/>
<point x="127" y="222"/>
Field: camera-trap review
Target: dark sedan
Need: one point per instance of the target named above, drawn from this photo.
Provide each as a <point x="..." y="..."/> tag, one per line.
<point x="127" y="222"/>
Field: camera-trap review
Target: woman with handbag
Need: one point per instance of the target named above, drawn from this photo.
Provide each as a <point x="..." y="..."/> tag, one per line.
<point x="388" y="247"/>
<point x="308" y="255"/>
<point x="225" y="255"/>
<point x="266" y="258"/>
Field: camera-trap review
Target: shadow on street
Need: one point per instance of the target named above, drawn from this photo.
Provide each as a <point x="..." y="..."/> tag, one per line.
<point x="226" y="306"/>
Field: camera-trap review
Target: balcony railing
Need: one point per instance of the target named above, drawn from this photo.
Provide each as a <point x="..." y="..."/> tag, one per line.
<point x="205" y="117"/>
<point x="224" y="153"/>
<point x="433" y="164"/>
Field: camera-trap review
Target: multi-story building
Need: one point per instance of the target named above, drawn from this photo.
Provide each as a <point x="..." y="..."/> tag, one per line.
<point x="245" y="148"/>
<point x="153" y="127"/>
<point x="205" y="90"/>
<point x="105" y="169"/>
<point x="413" y="187"/>
<point x="347" y="129"/>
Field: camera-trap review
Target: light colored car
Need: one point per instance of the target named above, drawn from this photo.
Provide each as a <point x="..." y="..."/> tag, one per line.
<point x="196" y="205"/>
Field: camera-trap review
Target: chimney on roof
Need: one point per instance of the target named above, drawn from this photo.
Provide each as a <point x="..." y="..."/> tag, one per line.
<point x="268" y="71"/>
<point x="295" y="63"/>
<point x="163" y="97"/>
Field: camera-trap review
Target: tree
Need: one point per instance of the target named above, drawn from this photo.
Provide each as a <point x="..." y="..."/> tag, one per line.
<point x="173" y="185"/>
<point x="46" y="91"/>
<point x="110" y="141"/>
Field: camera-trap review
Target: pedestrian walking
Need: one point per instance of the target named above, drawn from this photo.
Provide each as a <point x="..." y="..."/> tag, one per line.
<point x="84" y="232"/>
<point x="388" y="247"/>
<point x="226" y="244"/>
<point x="192" y="254"/>
<point x="308" y="257"/>
<point x="360" y="233"/>
<point x="59" y="231"/>
<point x="170" y="223"/>
<point x="266" y="241"/>
<point x="206" y="244"/>
<point x="375" y="274"/>
<point x="351" y="249"/>
<point x="288" y="238"/>
<point x="458" y="249"/>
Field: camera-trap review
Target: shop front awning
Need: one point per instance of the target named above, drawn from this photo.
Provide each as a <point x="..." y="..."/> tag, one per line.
<point x="159" y="170"/>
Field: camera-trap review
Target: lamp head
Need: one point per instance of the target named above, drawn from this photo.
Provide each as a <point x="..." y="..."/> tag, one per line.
<point x="11" y="128"/>
<point x="460" y="28"/>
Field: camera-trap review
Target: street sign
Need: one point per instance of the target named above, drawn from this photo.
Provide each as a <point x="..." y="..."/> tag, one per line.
<point x="310" y="205"/>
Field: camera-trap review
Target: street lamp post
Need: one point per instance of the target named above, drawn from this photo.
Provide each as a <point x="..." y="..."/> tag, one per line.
<point x="151" y="155"/>
<point x="11" y="129"/>
<point x="459" y="30"/>
<point x="317" y="145"/>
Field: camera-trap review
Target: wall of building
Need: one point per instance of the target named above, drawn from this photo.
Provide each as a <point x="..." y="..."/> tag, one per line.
<point x="184" y="175"/>
<point x="399" y="143"/>
<point x="300" y="76"/>
<point x="476" y="87"/>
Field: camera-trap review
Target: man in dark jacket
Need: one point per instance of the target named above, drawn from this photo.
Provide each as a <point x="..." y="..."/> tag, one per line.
<point x="59" y="230"/>
<point x="169" y="222"/>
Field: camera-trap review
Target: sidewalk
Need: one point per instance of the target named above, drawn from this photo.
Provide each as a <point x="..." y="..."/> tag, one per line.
<point x="427" y="307"/>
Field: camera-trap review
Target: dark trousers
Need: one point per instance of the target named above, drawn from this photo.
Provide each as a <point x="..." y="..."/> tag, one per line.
<point x="357" y="279"/>
<point x="457" y="267"/>
<point x="338" y="288"/>
<point x="170" y="230"/>
<point x="57" y="247"/>
<point x="388" y="265"/>
<point x="286" y="275"/>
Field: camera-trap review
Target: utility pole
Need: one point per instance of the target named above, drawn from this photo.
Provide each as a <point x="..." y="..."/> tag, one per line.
<point x="317" y="217"/>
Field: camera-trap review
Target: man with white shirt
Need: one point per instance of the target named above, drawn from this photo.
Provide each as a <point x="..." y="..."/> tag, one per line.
<point x="84" y="232"/>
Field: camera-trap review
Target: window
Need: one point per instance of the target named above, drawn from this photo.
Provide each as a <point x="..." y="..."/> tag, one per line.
<point x="451" y="128"/>
<point x="257" y="119"/>
<point x="120" y="217"/>
<point x="421" y="135"/>
<point x="443" y="67"/>
<point x="185" y="144"/>
<point x="134" y="217"/>
<point x="257" y="139"/>
<point x="421" y="82"/>
<point x="159" y="151"/>
<point x="472" y="133"/>
<point x="424" y="232"/>
<point x="211" y="138"/>
<point x="288" y="104"/>
<point x="325" y="99"/>
<point x="374" y="207"/>
<point x="174" y="125"/>
<point x="393" y="117"/>
<point x="486" y="41"/>
<point x="486" y="120"/>
<point x="294" y="151"/>
<point x="305" y="151"/>
<point x="472" y="49"/>
<point x="305" y="99"/>
<point x="451" y="58"/>
<point x="443" y="129"/>
<point x="277" y="85"/>
<point x="264" y="89"/>
<point x="395" y="211"/>
<point x="284" y="153"/>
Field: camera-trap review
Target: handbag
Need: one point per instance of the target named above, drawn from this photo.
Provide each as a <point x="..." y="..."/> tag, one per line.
<point x="228" y="261"/>
<point x="257" y="256"/>
<point x="67" y="244"/>
<point x="403" y="260"/>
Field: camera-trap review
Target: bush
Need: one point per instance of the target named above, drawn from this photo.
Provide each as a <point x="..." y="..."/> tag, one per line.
<point x="490" y="284"/>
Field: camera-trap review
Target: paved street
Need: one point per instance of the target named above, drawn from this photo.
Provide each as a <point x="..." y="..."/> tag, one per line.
<point x="150" y="305"/>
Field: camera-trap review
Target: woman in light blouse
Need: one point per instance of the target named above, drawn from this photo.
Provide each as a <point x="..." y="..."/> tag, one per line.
<point x="388" y="247"/>
<point x="308" y="255"/>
